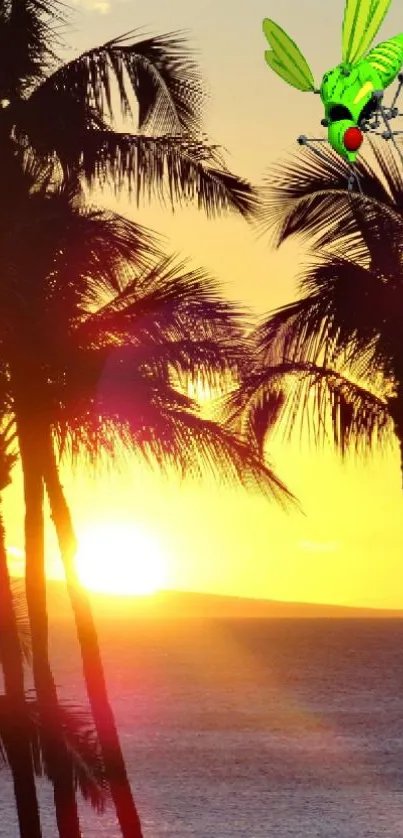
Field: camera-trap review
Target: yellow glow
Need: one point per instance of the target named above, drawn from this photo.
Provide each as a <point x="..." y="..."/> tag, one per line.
<point x="120" y="559"/>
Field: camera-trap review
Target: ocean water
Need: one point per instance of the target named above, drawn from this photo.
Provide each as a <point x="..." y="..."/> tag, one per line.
<point x="249" y="729"/>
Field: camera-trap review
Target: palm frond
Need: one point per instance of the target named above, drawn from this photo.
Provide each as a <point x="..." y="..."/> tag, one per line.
<point x="309" y="397"/>
<point x="104" y="245"/>
<point x="340" y="319"/>
<point x="8" y="457"/>
<point x="159" y="73"/>
<point x="165" y="78"/>
<point x="79" y="738"/>
<point x="157" y="78"/>
<point x="83" y="748"/>
<point x="189" y="361"/>
<point x="386" y="185"/>
<point x="252" y="409"/>
<point x="72" y="245"/>
<point x="167" y="305"/>
<point x="22" y="618"/>
<point x="369" y="226"/>
<point x="136" y="412"/>
<point x="31" y="28"/>
<point x="265" y="415"/>
<point x="172" y="168"/>
<point x="204" y="446"/>
<point x="308" y="196"/>
<point x="70" y="118"/>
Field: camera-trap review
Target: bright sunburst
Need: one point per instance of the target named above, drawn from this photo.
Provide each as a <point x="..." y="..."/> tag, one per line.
<point x="120" y="559"/>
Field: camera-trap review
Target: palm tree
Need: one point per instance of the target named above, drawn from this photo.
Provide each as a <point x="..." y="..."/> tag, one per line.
<point x="128" y="243"/>
<point x="35" y="583"/>
<point x="93" y="337"/>
<point x="332" y="360"/>
<point x="17" y="746"/>
<point x="66" y="115"/>
<point x="68" y="112"/>
<point x="24" y="740"/>
<point x="25" y="748"/>
<point x="18" y="749"/>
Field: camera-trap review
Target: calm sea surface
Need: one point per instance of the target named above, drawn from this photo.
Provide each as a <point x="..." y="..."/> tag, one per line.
<point x="250" y="729"/>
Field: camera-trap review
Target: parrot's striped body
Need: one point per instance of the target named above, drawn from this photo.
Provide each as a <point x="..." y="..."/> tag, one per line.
<point x="387" y="59"/>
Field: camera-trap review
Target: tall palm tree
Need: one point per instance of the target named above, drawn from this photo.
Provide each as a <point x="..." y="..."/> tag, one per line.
<point x="93" y="337"/>
<point x="24" y="739"/>
<point x="28" y="432"/>
<point x="18" y="743"/>
<point x="128" y="243"/>
<point x="50" y="714"/>
<point x="68" y="112"/>
<point x="333" y="359"/>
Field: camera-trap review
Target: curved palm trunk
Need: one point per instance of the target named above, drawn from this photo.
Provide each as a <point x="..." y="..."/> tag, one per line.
<point x="122" y="796"/>
<point x="35" y="580"/>
<point x="18" y="745"/>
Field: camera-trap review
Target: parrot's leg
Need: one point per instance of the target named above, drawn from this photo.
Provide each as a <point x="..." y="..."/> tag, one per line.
<point x="353" y="179"/>
<point x="398" y="91"/>
<point x="389" y="134"/>
<point x="302" y="140"/>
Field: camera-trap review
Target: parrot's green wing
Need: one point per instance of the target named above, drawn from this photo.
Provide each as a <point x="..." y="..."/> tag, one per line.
<point x="361" y="22"/>
<point x="285" y="58"/>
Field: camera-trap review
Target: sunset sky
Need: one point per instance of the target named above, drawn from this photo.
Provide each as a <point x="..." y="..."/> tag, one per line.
<point x="348" y="546"/>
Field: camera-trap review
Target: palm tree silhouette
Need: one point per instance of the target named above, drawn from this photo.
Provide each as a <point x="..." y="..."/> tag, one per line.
<point x="15" y="747"/>
<point x="66" y="115"/>
<point x="96" y="325"/>
<point x="26" y="737"/>
<point x="332" y="360"/>
<point x="68" y="112"/>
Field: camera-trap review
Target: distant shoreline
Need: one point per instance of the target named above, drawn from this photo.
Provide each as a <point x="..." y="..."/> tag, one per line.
<point x="174" y="605"/>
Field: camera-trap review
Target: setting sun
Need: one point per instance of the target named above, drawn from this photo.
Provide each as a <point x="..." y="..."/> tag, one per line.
<point x="120" y="559"/>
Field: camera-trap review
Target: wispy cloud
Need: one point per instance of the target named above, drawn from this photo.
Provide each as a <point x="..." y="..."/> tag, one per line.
<point x="101" y="7"/>
<point x="319" y="546"/>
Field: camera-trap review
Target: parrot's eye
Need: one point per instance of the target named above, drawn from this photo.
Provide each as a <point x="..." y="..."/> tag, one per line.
<point x="339" y="112"/>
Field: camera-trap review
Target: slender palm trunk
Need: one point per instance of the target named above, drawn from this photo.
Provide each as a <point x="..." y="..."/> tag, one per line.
<point x="18" y="745"/>
<point x="122" y="796"/>
<point x="59" y="761"/>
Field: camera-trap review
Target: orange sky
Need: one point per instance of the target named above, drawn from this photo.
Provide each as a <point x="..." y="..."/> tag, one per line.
<point x="348" y="546"/>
